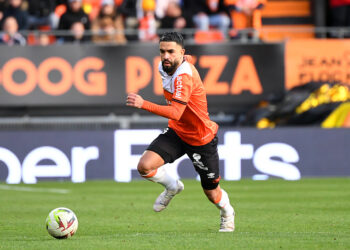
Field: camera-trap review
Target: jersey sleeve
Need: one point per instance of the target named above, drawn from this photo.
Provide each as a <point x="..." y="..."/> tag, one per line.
<point x="173" y="111"/>
<point x="182" y="89"/>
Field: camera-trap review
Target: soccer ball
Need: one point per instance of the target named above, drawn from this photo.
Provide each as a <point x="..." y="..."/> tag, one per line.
<point x="61" y="223"/>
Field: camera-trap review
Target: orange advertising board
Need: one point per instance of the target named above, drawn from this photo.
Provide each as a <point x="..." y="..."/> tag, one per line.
<point x="235" y="76"/>
<point x="314" y="60"/>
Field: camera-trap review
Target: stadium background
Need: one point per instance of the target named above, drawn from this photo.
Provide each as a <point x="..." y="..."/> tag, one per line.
<point x="63" y="113"/>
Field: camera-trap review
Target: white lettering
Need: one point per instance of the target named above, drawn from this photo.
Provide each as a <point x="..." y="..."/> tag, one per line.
<point x="13" y="165"/>
<point x="233" y="152"/>
<point x="178" y="90"/>
<point x="172" y="168"/>
<point x="80" y="157"/>
<point x="263" y="162"/>
<point x="270" y="159"/>
<point x="31" y="169"/>
<point x="124" y="160"/>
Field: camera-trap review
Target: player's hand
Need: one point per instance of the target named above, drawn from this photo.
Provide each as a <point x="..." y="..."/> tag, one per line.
<point x="134" y="100"/>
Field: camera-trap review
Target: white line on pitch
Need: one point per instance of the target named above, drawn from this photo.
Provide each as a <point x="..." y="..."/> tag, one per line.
<point x="31" y="189"/>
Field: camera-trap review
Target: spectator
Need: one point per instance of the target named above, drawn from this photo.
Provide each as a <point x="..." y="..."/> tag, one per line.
<point x="245" y="13"/>
<point x="173" y="17"/>
<point x="206" y="14"/>
<point x="41" y="13"/>
<point x="2" y="8"/>
<point x="91" y="8"/>
<point x="162" y="6"/>
<point x="108" y="26"/>
<point x="59" y="2"/>
<point x="14" y="10"/>
<point x="60" y="9"/>
<point x="10" y="35"/>
<point x="78" y="36"/>
<point x="44" y="39"/>
<point x="73" y="14"/>
<point x="131" y="11"/>
<point x="148" y="24"/>
<point x="340" y="16"/>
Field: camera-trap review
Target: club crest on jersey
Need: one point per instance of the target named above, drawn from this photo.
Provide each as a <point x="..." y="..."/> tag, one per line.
<point x="178" y="89"/>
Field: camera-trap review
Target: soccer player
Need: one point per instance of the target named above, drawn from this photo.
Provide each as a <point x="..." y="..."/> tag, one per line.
<point x="190" y="131"/>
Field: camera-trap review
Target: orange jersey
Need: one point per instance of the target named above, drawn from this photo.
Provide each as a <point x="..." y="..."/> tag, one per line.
<point x="187" y="105"/>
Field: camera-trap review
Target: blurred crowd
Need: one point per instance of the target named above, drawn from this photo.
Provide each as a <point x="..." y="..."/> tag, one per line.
<point x="120" y="21"/>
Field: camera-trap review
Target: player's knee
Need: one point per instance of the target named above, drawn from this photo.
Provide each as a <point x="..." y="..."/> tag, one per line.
<point x="144" y="167"/>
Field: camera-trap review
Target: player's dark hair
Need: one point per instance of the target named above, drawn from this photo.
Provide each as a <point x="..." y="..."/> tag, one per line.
<point x="173" y="37"/>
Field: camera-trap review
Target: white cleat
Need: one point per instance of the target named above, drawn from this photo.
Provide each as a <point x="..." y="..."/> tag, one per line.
<point x="227" y="223"/>
<point x="165" y="197"/>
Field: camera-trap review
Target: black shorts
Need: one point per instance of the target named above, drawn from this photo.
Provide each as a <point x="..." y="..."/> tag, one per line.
<point x="205" y="158"/>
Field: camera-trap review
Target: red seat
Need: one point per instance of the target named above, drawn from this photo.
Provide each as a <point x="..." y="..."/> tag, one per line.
<point x="208" y="36"/>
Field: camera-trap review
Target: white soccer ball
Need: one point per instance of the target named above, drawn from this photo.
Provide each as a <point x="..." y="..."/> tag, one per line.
<point x="61" y="223"/>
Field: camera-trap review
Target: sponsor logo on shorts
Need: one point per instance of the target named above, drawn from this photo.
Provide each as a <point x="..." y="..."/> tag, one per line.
<point x="211" y="175"/>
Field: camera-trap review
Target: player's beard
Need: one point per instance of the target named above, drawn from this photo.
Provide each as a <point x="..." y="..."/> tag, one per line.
<point x="170" y="69"/>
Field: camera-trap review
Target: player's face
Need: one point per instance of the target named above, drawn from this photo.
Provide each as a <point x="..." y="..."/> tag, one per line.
<point x="171" y="55"/>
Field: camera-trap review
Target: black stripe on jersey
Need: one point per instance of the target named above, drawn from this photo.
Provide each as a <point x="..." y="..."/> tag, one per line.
<point x="181" y="102"/>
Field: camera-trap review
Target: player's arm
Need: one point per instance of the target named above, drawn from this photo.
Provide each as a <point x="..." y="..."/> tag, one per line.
<point x="173" y="111"/>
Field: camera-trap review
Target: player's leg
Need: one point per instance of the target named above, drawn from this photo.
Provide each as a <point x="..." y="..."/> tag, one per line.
<point x="164" y="149"/>
<point x="151" y="167"/>
<point x="220" y="198"/>
<point x="206" y="162"/>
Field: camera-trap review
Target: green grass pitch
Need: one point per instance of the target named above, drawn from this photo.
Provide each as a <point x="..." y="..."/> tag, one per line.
<point x="273" y="214"/>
